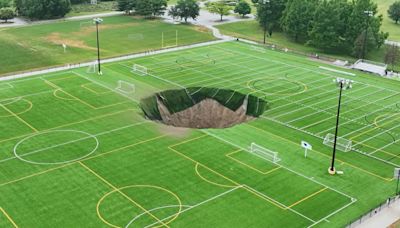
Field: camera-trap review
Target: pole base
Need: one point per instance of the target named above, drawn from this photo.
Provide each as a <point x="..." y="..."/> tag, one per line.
<point x="100" y="73"/>
<point x="332" y="171"/>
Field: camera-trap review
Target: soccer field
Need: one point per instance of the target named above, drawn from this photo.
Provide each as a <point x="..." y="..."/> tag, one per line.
<point x="75" y="151"/>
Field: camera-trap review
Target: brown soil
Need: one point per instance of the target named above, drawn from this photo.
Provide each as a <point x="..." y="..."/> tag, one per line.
<point x="395" y="225"/>
<point x="206" y="114"/>
<point x="86" y="30"/>
<point x="56" y="38"/>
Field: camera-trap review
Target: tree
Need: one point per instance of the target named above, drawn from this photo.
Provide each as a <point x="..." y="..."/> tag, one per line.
<point x="5" y="3"/>
<point x="392" y="55"/>
<point x="329" y="23"/>
<point x="185" y="9"/>
<point x="394" y="11"/>
<point x="43" y="9"/>
<point x="125" y="5"/>
<point x="364" y="43"/>
<point x="269" y="13"/>
<point x="7" y="13"/>
<point x="220" y="8"/>
<point x="150" y="8"/>
<point x="297" y="18"/>
<point x="243" y="8"/>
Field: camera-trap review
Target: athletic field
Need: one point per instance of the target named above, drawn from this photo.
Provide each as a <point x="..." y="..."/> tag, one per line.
<point x="75" y="150"/>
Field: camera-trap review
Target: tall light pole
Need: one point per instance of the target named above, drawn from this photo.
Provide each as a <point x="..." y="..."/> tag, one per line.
<point x="369" y="14"/>
<point x="265" y="2"/>
<point x="98" y="21"/>
<point x="343" y="84"/>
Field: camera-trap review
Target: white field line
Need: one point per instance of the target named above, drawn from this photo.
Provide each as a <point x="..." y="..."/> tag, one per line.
<point x="286" y="207"/>
<point x="336" y="71"/>
<point x="154" y="209"/>
<point x="333" y="213"/>
<point x="366" y="104"/>
<point x="116" y="59"/>
<point x="375" y="136"/>
<point x="28" y="95"/>
<point x="296" y="66"/>
<point x="72" y="141"/>
<point x="331" y="107"/>
<point x="319" y="102"/>
<point x="282" y="166"/>
<point x="196" y="205"/>
<point x="358" y="118"/>
<point x="320" y="137"/>
<point x="385" y="146"/>
<point x="369" y="125"/>
<point x="10" y="86"/>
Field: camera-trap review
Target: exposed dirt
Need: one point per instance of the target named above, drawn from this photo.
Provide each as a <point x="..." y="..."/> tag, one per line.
<point x="57" y="39"/>
<point x="205" y="114"/>
<point x="86" y="30"/>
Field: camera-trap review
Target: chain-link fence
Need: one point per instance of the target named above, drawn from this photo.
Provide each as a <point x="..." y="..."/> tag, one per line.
<point x="373" y="212"/>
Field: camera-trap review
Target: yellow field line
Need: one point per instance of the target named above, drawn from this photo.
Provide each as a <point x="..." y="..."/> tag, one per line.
<point x="8" y="217"/>
<point x="307" y="197"/>
<point x="57" y="87"/>
<point x="327" y="156"/>
<point x="85" y="86"/>
<point x="123" y="194"/>
<point x="69" y="124"/>
<point x="376" y="127"/>
<point x="189" y="140"/>
<point x="223" y="176"/>
<point x="196" y="168"/>
<point x="377" y="149"/>
<point x="19" y="118"/>
<point x="62" y="78"/>
<point x="249" y="166"/>
<point x="86" y="159"/>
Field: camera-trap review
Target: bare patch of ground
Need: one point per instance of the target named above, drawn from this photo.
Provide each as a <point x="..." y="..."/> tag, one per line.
<point x="56" y="38"/>
<point x="206" y="114"/>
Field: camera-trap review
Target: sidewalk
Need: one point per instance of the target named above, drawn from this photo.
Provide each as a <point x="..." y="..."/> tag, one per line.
<point x="383" y="218"/>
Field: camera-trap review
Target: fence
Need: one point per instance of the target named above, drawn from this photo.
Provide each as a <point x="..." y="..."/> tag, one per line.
<point x="371" y="213"/>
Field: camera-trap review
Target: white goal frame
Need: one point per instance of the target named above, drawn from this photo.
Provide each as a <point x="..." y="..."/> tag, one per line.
<point x="126" y="87"/>
<point x="342" y="144"/>
<point x="264" y="153"/>
<point x="92" y="68"/>
<point x="163" y="40"/>
<point x="139" y="69"/>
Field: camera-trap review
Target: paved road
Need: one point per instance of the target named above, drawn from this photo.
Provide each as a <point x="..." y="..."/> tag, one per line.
<point x="384" y="218"/>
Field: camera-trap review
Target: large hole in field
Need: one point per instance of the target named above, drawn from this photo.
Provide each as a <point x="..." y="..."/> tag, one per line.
<point x="201" y="107"/>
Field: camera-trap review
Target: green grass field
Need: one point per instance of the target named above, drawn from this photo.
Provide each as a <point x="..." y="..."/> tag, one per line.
<point x="119" y="35"/>
<point x="76" y="152"/>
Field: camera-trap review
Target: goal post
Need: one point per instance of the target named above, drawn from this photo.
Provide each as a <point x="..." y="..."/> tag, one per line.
<point x="342" y="144"/>
<point x="264" y="153"/>
<point x="139" y="69"/>
<point x="92" y="68"/>
<point x="169" y="39"/>
<point x="125" y="87"/>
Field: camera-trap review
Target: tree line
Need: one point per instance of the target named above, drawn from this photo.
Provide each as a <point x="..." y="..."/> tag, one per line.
<point x="351" y="27"/>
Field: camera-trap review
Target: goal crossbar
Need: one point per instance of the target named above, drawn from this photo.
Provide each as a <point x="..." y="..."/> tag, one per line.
<point x="264" y="153"/>
<point x="125" y="87"/>
<point x="342" y="144"/>
<point x="139" y="69"/>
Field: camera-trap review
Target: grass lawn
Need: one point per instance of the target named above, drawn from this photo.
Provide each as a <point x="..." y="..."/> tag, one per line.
<point x="28" y="48"/>
<point x="388" y="24"/>
<point x="76" y="152"/>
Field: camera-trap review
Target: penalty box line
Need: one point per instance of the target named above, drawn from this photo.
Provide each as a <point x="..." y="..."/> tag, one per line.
<point x="248" y="188"/>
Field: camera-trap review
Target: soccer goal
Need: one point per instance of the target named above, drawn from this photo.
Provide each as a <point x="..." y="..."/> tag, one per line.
<point x="169" y="39"/>
<point x="264" y="153"/>
<point x="125" y="87"/>
<point x="138" y="69"/>
<point x="92" y="68"/>
<point x="342" y="144"/>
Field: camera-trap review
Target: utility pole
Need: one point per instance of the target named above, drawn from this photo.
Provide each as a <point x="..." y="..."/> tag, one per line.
<point x="98" y="21"/>
<point x="343" y="84"/>
<point x="369" y="14"/>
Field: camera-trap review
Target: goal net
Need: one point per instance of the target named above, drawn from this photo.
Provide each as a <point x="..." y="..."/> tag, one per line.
<point x="342" y="144"/>
<point x="370" y="66"/>
<point x="138" y="69"/>
<point x="92" y="68"/>
<point x="264" y="153"/>
<point x="125" y="87"/>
